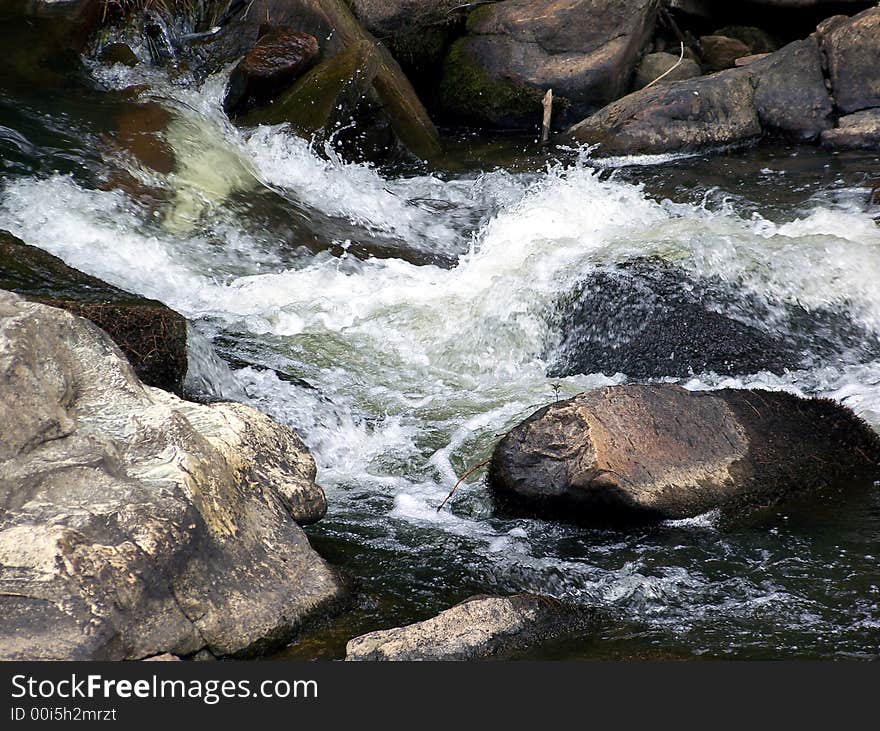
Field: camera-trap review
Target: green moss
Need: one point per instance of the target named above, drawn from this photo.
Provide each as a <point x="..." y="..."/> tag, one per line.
<point x="468" y="94"/>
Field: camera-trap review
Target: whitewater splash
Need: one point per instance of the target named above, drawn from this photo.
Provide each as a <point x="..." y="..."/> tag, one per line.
<point x="400" y="375"/>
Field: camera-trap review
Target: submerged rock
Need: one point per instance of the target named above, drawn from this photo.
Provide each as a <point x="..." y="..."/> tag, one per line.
<point x="480" y="627"/>
<point x="647" y="319"/>
<point x="585" y="50"/>
<point x="782" y="94"/>
<point x="276" y="61"/>
<point x="658" y="452"/>
<point x="135" y="524"/>
<point x="151" y="335"/>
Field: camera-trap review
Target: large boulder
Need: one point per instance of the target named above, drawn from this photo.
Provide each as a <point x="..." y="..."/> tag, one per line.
<point x="135" y="524"/>
<point x="332" y="23"/>
<point x="479" y="628"/>
<point x="852" y="50"/>
<point x="152" y="336"/>
<point x="658" y="452"/>
<point x="782" y="94"/>
<point x="514" y="51"/>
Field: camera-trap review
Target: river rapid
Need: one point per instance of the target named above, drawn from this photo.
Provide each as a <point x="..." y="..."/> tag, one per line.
<point x="400" y="320"/>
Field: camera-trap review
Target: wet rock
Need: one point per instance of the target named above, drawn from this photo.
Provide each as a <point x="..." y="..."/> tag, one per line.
<point x="135" y="524"/>
<point x="336" y="28"/>
<point x="852" y="50"/>
<point x="118" y="53"/>
<point x="855" y="131"/>
<point x="654" y="65"/>
<point x="746" y="60"/>
<point x="417" y="32"/>
<point x="721" y="52"/>
<point x="480" y="627"/>
<point x="63" y="23"/>
<point x="647" y="319"/>
<point x="151" y="335"/>
<point x="585" y="50"/>
<point x="274" y="63"/>
<point x="657" y="452"/>
<point x="325" y="97"/>
<point x="757" y="40"/>
<point x="783" y="94"/>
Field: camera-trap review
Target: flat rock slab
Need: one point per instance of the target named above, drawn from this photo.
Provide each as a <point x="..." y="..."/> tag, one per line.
<point x="859" y="131"/>
<point x="134" y="524"/>
<point x="659" y="451"/>
<point x="479" y="628"/>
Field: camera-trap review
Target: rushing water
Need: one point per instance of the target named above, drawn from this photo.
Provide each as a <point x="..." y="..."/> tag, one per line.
<point x="401" y="320"/>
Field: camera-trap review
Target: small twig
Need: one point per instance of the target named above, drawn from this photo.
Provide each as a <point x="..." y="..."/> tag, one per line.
<point x="462" y="479"/>
<point x="547" y="103"/>
<point x="670" y="69"/>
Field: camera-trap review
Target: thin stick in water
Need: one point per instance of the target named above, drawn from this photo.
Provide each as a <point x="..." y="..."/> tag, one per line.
<point x="547" y="103"/>
<point x="462" y="479"/>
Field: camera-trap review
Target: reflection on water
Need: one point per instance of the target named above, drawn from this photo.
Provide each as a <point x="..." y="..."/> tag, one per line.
<point x="401" y="319"/>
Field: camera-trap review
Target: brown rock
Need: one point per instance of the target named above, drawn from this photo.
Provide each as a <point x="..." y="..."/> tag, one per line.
<point x="721" y="52"/>
<point x="746" y="60"/>
<point x="655" y="452"/>
<point x="855" y="131"/>
<point x="152" y="336"/>
<point x="655" y="65"/>
<point x="275" y="62"/>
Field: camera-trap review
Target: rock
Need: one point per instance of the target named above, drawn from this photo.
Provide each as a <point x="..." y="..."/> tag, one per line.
<point x="417" y="32"/>
<point x="480" y="627"/>
<point x="135" y="524"/>
<point x="114" y="53"/>
<point x="167" y="657"/>
<point x="855" y="131"/>
<point x="151" y="335"/>
<point x="721" y="52"/>
<point x="746" y="60"/>
<point x="336" y="28"/>
<point x="325" y="97"/>
<point x="63" y="23"/>
<point x="585" y="50"/>
<point x="790" y="94"/>
<point x="660" y="452"/>
<point x="654" y="65"/>
<point x="781" y="95"/>
<point x="647" y="319"/>
<point x="757" y="40"/>
<point x="852" y="49"/>
<point x="274" y="63"/>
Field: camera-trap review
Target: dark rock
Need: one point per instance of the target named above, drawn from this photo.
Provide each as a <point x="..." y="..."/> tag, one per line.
<point x="336" y="28"/>
<point x="757" y="40"/>
<point x="114" y="53"/>
<point x="650" y="320"/>
<point x="852" y="49"/>
<point x="152" y="336"/>
<point x="790" y="94"/>
<point x="274" y="63"/>
<point x="479" y="628"/>
<point x="855" y="131"/>
<point x="783" y="94"/>
<point x="721" y="52"/>
<point x="654" y="65"/>
<point x="417" y="32"/>
<point x="326" y="96"/>
<point x="135" y="524"/>
<point x="661" y="452"/>
<point x="585" y="50"/>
